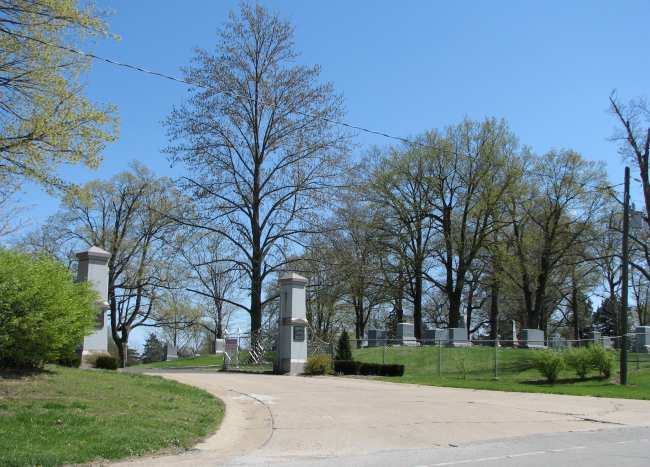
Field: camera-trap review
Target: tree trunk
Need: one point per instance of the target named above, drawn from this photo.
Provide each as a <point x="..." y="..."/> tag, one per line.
<point x="494" y="312"/>
<point x="575" y="309"/>
<point x="417" y="302"/>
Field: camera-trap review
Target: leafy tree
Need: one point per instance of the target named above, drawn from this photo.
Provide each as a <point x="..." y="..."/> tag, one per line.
<point x="44" y="314"/>
<point x="257" y="144"/>
<point x="128" y="216"/>
<point x="552" y="217"/>
<point x="343" y="349"/>
<point x="45" y="120"/>
<point x="154" y="349"/>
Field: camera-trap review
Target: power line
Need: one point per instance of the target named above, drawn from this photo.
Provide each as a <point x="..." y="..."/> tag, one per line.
<point x="141" y="69"/>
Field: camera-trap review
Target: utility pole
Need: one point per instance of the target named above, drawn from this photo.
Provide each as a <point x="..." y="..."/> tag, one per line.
<point x="624" y="272"/>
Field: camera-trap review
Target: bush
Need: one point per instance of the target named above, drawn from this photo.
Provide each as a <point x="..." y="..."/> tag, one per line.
<point x="350" y="367"/>
<point x="580" y="360"/>
<point x="106" y="362"/>
<point x="343" y="349"/>
<point x="549" y="363"/>
<point x="44" y="314"/>
<point x="601" y="360"/>
<point x="71" y="361"/>
<point x="380" y="369"/>
<point x="347" y="367"/>
<point x="318" y="365"/>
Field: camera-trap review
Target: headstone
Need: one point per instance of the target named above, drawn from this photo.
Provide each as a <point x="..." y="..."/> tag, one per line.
<point x="93" y="267"/>
<point x="597" y="338"/>
<point x="642" y="338"/>
<point x="171" y="352"/>
<point x="435" y="337"/>
<point x="457" y="337"/>
<point x="219" y="346"/>
<point x="376" y="338"/>
<point x="428" y="337"/>
<point x="532" y="339"/>
<point x="292" y="346"/>
<point x="405" y="334"/>
<point x="608" y="342"/>
<point x="557" y="342"/>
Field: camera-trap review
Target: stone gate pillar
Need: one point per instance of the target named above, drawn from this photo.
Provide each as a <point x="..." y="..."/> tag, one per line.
<point x="93" y="267"/>
<point x="292" y="336"/>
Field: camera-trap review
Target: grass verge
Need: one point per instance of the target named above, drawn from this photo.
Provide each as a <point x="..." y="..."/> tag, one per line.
<point x="69" y="416"/>
<point x="203" y="360"/>
<point x="473" y="368"/>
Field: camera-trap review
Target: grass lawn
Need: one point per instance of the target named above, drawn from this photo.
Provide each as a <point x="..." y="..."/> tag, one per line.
<point x="474" y="368"/>
<point x="64" y="416"/>
<point x="203" y="360"/>
<point x="212" y="361"/>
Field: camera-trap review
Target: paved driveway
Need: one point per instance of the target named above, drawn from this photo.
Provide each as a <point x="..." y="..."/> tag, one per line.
<point x="345" y="421"/>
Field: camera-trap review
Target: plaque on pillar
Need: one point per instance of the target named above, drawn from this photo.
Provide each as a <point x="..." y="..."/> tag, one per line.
<point x="292" y="335"/>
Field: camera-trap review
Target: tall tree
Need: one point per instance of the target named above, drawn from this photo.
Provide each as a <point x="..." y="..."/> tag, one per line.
<point x="473" y="169"/>
<point x="399" y="188"/>
<point x="128" y="216"/>
<point x="255" y="140"/>
<point x="550" y="220"/>
<point x="45" y="120"/>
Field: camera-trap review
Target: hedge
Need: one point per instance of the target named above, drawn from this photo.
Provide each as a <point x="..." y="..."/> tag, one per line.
<point x="351" y="367"/>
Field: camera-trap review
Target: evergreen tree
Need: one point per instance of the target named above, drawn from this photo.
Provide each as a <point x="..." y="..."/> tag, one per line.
<point x="343" y="349"/>
<point x="605" y="318"/>
<point x="154" y="350"/>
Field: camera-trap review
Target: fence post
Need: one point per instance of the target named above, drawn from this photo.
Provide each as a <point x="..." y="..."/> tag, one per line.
<point x="496" y="359"/>
<point x="439" y="358"/>
<point x="383" y="356"/>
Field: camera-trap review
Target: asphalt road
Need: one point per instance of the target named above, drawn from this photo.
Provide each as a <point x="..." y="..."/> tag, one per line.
<point x="327" y="421"/>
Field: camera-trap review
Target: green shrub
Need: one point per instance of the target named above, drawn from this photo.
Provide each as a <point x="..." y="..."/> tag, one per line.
<point x="580" y="360"/>
<point x="44" y="314"/>
<point x="71" y="361"/>
<point x="343" y="349"/>
<point x="106" y="362"/>
<point x="601" y="360"/>
<point x="347" y="367"/>
<point x="318" y="365"/>
<point x="381" y="369"/>
<point x="350" y="367"/>
<point x="549" y="363"/>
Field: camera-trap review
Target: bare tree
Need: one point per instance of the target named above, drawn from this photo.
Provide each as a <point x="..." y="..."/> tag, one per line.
<point x="128" y="216"/>
<point x="257" y="144"/>
<point x="213" y="278"/>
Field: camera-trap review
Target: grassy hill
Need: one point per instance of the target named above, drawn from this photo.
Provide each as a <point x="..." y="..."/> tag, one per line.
<point x="474" y="367"/>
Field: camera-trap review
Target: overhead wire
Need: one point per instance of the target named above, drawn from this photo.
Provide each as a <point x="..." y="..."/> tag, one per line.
<point x="234" y="95"/>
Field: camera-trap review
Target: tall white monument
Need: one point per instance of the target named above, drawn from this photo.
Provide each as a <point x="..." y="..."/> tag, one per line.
<point x="292" y="343"/>
<point x="93" y="267"/>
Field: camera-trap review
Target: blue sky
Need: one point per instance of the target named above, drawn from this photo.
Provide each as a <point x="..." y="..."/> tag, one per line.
<point x="402" y="66"/>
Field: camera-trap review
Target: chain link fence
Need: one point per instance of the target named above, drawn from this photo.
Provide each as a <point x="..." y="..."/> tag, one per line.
<point x="484" y="359"/>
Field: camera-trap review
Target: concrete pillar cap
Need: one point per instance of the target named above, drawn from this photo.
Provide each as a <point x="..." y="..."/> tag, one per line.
<point x="93" y="252"/>
<point x="292" y="278"/>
